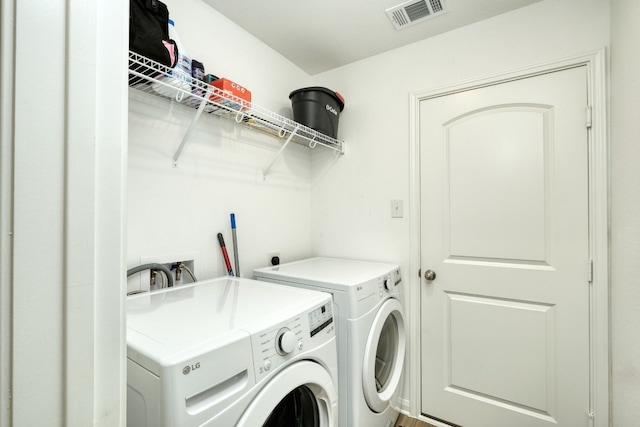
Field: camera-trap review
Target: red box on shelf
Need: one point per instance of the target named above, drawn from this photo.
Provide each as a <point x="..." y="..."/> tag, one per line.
<point x="233" y="89"/>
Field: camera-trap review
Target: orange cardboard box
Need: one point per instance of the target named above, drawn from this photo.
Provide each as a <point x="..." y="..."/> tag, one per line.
<point x="233" y="89"/>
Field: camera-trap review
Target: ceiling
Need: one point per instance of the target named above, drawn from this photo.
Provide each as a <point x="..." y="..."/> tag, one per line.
<point x="319" y="35"/>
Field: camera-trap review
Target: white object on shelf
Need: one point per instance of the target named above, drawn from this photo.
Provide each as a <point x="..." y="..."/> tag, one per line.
<point x="143" y="71"/>
<point x="180" y="75"/>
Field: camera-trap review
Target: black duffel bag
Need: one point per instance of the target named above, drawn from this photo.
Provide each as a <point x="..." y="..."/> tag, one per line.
<point x="149" y="36"/>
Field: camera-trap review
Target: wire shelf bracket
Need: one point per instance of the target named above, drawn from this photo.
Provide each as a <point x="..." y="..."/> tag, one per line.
<point x="280" y="151"/>
<point x="187" y="134"/>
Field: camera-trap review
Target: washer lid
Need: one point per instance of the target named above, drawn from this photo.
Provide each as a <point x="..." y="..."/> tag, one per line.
<point x="332" y="272"/>
<point x="210" y="314"/>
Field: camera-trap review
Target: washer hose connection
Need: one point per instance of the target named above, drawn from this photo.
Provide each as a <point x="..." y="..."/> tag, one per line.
<point x="153" y="267"/>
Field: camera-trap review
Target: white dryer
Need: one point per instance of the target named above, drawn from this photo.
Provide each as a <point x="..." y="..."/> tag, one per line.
<point x="370" y="330"/>
<point x="231" y="352"/>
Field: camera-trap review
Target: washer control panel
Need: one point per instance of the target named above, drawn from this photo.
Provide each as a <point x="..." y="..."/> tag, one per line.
<point x="320" y="318"/>
<point x="274" y="346"/>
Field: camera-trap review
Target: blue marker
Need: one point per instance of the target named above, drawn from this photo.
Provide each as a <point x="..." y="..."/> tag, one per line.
<point x="235" y="244"/>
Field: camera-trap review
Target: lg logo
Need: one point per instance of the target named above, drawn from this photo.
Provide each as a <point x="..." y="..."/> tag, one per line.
<point x="187" y="369"/>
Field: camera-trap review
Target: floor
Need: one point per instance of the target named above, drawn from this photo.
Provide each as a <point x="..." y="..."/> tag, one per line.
<point x="405" y="421"/>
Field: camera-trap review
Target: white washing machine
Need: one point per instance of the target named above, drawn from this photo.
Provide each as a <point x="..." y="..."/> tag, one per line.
<point x="370" y="330"/>
<point x="231" y="352"/>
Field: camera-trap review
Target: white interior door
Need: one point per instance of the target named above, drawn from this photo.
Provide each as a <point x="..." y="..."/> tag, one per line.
<point x="504" y="229"/>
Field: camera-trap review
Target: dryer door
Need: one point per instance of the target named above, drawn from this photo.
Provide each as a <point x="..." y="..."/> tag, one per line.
<point x="301" y="395"/>
<point x="384" y="356"/>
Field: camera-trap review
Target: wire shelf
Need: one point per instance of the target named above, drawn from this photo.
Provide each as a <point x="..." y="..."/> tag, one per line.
<point x="154" y="78"/>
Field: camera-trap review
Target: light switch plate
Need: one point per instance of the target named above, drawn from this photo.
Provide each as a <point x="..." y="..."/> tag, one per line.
<point x="397" y="209"/>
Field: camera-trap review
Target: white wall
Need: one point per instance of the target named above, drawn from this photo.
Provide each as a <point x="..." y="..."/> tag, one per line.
<point x="351" y="205"/>
<point x="625" y="212"/>
<point x="181" y="210"/>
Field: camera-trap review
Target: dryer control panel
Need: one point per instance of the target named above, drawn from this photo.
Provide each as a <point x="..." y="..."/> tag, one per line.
<point x="390" y="281"/>
<point x="276" y="345"/>
<point x="366" y="296"/>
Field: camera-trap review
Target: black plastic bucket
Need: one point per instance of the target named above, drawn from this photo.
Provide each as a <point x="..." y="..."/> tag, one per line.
<point x="318" y="108"/>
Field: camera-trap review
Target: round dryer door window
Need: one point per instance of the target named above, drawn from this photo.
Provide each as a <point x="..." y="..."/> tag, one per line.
<point x="384" y="356"/>
<point x="303" y="395"/>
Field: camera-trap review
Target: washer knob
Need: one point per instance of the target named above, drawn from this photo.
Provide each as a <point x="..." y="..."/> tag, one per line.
<point x="389" y="283"/>
<point x="286" y="341"/>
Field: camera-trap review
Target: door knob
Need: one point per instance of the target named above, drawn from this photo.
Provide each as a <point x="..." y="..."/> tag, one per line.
<point x="430" y="275"/>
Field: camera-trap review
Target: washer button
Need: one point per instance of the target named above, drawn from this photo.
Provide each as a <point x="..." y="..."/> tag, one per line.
<point x="300" y="345"/>
<point x="267" y="364"/>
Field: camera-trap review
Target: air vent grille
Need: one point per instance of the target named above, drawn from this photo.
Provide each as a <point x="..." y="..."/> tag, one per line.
<point x="400" y="17"/>
<point x="415" y="11"/>
<point x="436" y="6"/>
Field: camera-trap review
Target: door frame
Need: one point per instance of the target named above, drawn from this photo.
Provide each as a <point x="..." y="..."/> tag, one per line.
<point x="598" y="222"/>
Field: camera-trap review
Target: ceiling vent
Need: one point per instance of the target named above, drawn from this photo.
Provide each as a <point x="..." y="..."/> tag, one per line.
<point x="413" y="12"/>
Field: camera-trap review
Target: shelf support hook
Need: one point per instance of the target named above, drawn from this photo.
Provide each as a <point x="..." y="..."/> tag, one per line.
<point x="313" y="142"/>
